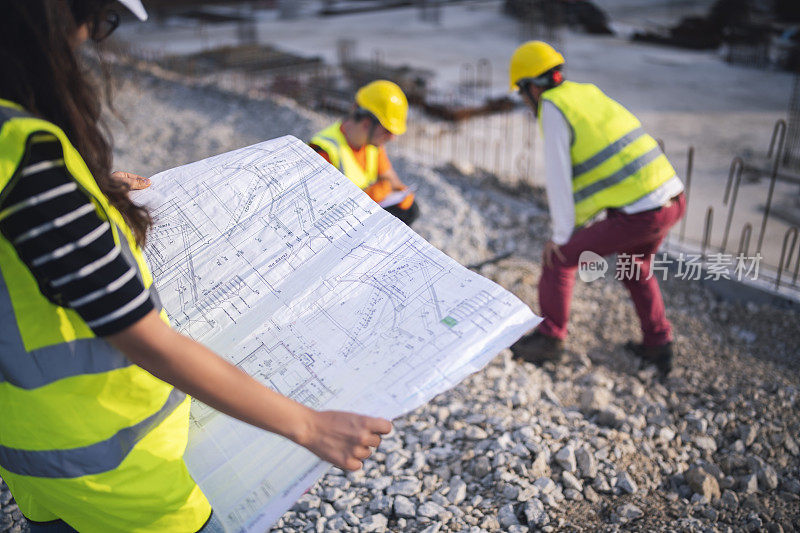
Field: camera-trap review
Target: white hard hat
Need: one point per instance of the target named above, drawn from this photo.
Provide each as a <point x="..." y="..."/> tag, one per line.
<point x="136" y="8"/>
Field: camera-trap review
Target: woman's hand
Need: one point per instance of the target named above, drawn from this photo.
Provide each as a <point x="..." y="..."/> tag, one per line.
<point x="133" y="181"/>
<point x="344" y="439"/>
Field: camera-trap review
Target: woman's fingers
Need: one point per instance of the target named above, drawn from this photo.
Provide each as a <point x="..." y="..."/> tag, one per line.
<point x="133" y="181"/>
<point x="372" y="440"/>
<point x="379" y="425"/>
<point x="351" y="464"/>
<point x="361" y="452"/>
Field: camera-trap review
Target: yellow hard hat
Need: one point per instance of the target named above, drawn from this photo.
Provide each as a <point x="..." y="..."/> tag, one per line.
<point x="387" y="102"/>
<point x="531" y="60"/>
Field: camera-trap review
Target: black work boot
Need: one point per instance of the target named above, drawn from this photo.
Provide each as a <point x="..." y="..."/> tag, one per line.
<point x="660" y="356"/>
<point x="538" y="348"/>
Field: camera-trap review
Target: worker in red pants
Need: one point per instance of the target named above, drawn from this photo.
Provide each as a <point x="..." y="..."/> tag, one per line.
<point x="597" y="160"/>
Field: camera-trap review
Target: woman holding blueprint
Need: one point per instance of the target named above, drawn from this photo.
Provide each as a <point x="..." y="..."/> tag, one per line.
<point x="92" y="378"/>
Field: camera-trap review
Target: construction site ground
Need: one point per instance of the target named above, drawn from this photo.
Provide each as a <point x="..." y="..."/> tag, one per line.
<point x="598" y="442"/>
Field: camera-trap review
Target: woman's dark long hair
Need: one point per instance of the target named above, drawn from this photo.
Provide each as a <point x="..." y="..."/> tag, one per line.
<point x="39" y="70"/>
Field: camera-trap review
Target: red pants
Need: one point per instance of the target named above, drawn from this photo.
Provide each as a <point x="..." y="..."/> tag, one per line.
<point x="640" y="233"/>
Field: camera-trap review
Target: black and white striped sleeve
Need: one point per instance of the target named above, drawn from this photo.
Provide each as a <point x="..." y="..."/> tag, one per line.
<point x="69" y="249"/>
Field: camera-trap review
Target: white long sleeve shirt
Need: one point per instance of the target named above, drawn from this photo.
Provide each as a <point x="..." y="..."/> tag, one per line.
<point x="558" y="177"/>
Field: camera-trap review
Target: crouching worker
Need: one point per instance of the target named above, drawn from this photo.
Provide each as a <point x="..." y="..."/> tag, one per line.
<point x="598" y="159"/>
<point x="355" y="146"/>
<point x="93" y="381"/>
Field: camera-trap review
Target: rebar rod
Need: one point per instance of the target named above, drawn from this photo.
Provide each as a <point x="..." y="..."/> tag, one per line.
<point x="788" y="257"/>
<point x="707" y="231"/>
<point x="686" y="190"/>
<point x="744" y="239"/>
<point x="779" y="125"/>
<point x="731" y="193"/>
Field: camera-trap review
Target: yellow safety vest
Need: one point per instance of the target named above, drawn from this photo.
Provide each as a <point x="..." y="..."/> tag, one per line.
<point x="85" y="435"/>
<point x="614" y="162"/>
<point x="332" y="140"/>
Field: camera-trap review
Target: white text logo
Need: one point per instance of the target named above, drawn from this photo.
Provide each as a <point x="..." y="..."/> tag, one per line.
<point x="591" y="266"/>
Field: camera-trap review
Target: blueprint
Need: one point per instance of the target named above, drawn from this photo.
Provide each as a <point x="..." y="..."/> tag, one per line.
<point x="272" y="258"/>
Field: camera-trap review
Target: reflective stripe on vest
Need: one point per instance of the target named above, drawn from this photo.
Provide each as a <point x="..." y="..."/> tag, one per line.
<point x="332" y="140"/>
<point x="607" y="152"/>
<point x="80" y="423"/>
<point x="628" y="170"/>
<point x="614" y="162"/>
<point x="86" y="460"/>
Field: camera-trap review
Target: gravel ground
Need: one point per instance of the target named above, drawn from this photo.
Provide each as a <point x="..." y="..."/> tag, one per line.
<point x="597" y="442"/>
